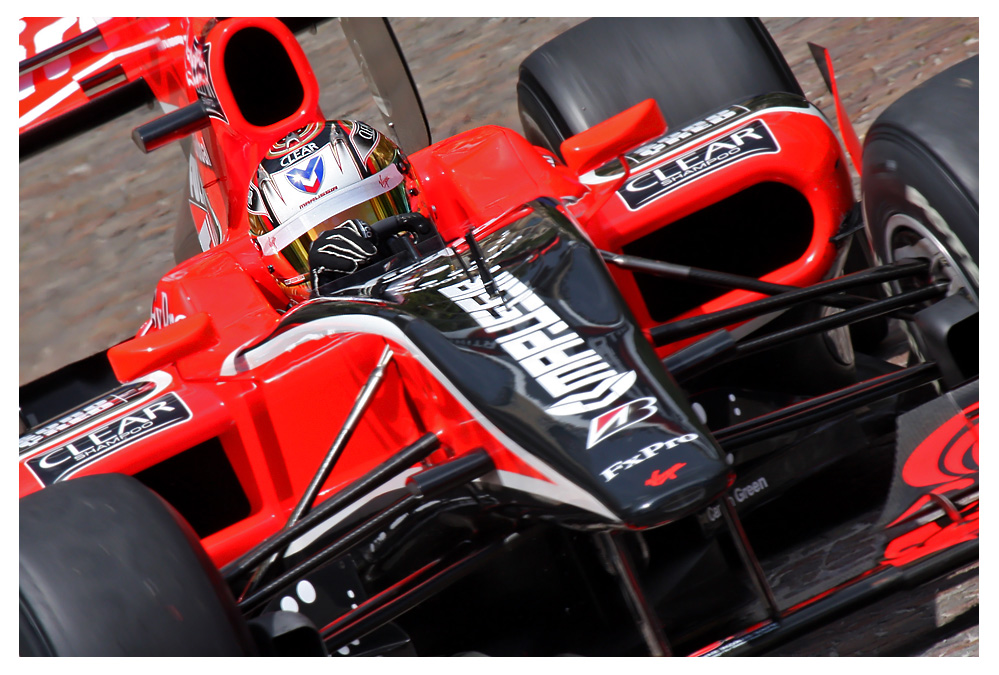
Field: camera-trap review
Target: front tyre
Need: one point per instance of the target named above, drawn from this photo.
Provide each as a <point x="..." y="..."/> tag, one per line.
<point x="109" y="569"/>
<point x="920" y="196"/>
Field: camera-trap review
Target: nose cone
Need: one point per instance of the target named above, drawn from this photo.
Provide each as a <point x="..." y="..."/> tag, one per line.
<point x="658" y="481"/>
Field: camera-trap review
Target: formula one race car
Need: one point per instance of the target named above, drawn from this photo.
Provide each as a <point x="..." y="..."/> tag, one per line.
<point x="598" y="379"/>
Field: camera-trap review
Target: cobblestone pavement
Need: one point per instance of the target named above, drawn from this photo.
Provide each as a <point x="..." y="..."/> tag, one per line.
<point x="96" y="216"/>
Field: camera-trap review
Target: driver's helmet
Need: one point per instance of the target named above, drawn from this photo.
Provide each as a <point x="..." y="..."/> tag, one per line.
<point x="314" y="179"/>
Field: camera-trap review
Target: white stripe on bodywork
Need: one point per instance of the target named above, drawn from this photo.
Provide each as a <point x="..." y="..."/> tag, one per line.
<point x="507" y="479"/>
<point x="397" y="483"/>
<point x="159" y="378"/>
<point x="561" y="488"/>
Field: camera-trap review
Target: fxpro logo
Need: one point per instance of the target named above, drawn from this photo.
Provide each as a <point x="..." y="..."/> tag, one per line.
<point x="546" y="348"/>
<point x="648" y="452"/>
<point x="752" y="139"/>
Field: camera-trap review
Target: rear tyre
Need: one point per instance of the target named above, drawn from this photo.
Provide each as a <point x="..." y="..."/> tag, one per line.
<point x="109" y="569"/>
<point x="691" y="66"/>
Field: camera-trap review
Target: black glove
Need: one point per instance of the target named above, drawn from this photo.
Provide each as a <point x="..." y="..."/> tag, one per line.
<point x="344" y="248"/>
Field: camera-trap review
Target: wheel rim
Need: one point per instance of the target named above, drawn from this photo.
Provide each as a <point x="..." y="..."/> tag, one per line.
<point x="906" y="237"/>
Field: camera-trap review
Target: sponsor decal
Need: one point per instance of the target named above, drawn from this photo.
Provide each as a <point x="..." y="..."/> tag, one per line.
<point x="295" y="139"/>
<point x="205" y="221"/>
<point x="161" y="315"/>
<point x="620" y="418"/>
<point x="201" y="152"/>
<point x="364" y="138"/>
<point x="672" y="139"/>
<point x="648" y="452"/>
<point x="298" y="153"/>
<point x="45" y="33"/>
<point x="659" y="477"/>
<point x="553" y="354"/>
<point x="754" y="138"/>
<point x="739" y="495"/>
<point x="308" y="178"/>
<point x="948" y="456"/>
<point x="65" y="460"/>
<point x="255" y="201"/>
<point x="209" y="232"/>
<point x="47" y="85"/>
<point x="946" y="460"/>
<point x="66" y="424"/>
<point x="195" y="184"/>
<point x="317" y="197"/>
<point x="199" y="77"/>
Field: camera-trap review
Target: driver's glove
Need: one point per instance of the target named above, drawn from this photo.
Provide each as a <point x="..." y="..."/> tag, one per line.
<point x="343" y="249"/>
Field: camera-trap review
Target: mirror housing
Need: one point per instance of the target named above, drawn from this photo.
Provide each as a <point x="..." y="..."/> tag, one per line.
<point x="601" y="143"/>
<point x="141" y="355"/>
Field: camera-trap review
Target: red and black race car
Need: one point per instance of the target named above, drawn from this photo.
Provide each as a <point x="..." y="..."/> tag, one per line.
<point x="599" y="378"/>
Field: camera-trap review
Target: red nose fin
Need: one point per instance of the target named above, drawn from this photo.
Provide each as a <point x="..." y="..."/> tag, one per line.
<point x="846" y="130"/>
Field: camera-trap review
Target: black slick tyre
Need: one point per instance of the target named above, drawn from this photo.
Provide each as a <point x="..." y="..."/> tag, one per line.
<point x="920" y="177"/>
<point x="920" y="197"/>
<point x="109" y="569"/>
<point x="691" y="66"/>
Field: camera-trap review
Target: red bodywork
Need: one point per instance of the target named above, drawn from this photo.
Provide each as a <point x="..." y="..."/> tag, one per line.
<point x="274" y="423"/>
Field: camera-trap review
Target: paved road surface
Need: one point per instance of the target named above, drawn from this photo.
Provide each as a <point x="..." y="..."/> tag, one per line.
<point x="96" y="217"/>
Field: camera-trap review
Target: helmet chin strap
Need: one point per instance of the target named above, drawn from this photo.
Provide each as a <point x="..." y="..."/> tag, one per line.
<point x="341" y="200"/>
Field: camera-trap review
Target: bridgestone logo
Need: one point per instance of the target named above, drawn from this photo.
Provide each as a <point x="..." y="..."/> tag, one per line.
<point x="55" y="465"/>
<point x="752" y="139"/>
<point x="552" y="353"/>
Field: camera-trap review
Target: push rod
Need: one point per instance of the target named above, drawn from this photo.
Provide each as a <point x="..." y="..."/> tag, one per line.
<point x="267" y="591"/>
<point x="843" y="318"/>
<point x="398" y="463"/>
<point x="357" y="411"/>
<point x="340" y="442"/>
<point x="684" y="328"/>
<point x="822" y="407"/>
<point x="725" y="280"/>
